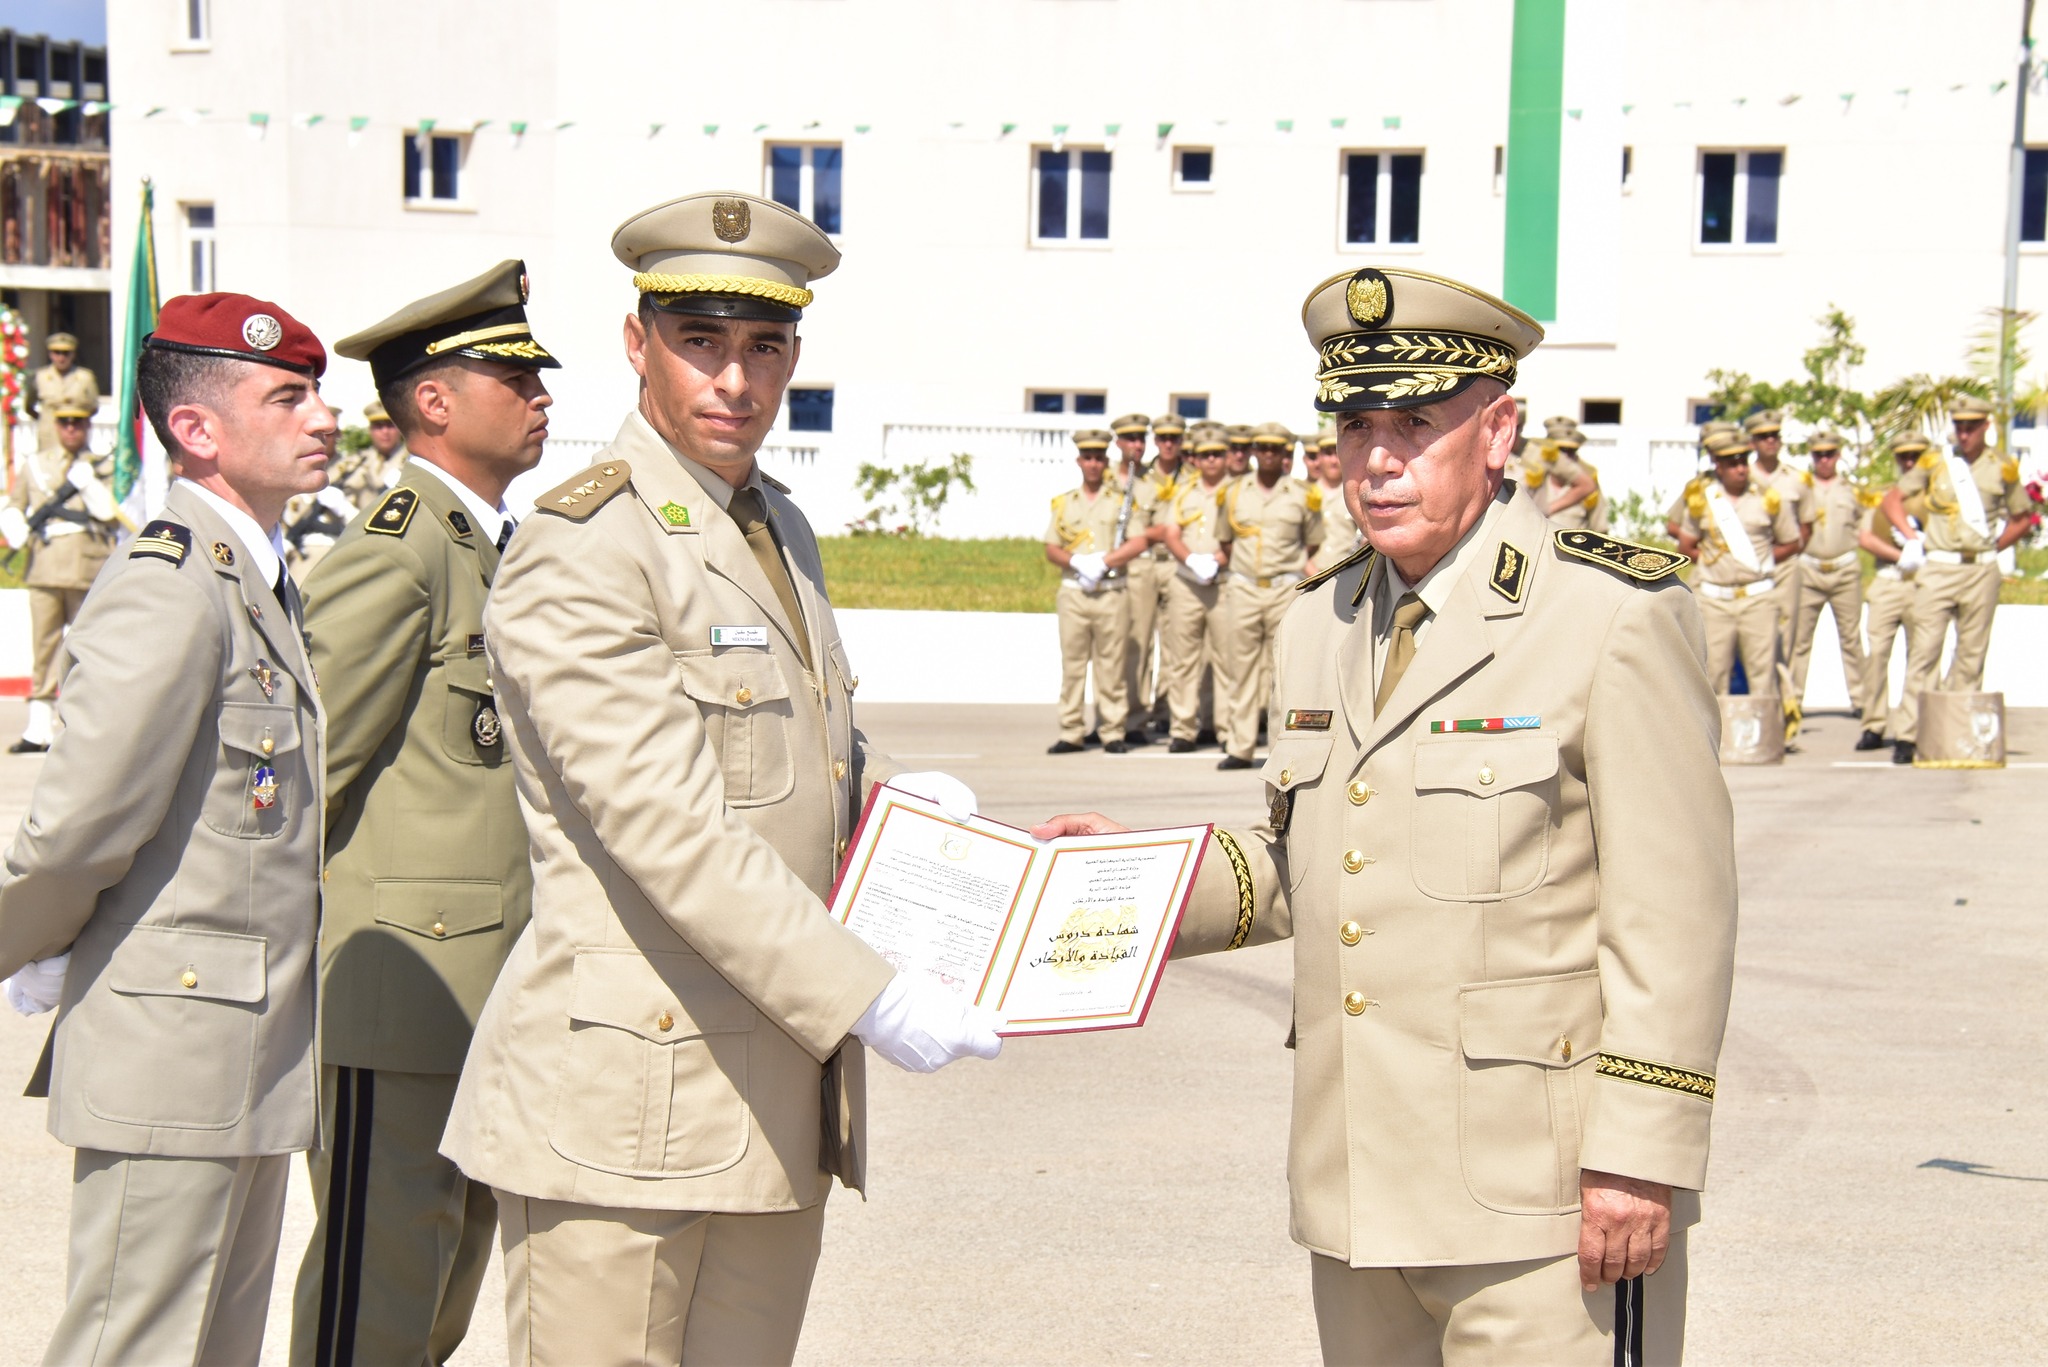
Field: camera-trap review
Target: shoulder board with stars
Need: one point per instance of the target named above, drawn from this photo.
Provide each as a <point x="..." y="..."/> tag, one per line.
<point x="1363" y="553"/>
<point x="577" y="497"/>
<point x="1645" y="564"/>
<point x="162" y="540"/>
<point x="394" y="514"/>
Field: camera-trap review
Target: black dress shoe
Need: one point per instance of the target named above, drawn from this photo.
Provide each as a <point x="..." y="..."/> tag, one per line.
<point x="1902" y="752"/>
<point x="1205" y="737"/>
<point x="25" y="746"/>
<point x="1870" y="740"/>
<point x="1233" y="762"/>
<point x="1178" y="746"/>
<point x="1136" y="738"/>
<point x="1115" y="747"/>
<point x="1092" y="738"/>
<point x="1161" y="725"/>
<point x="1063" y="747"/>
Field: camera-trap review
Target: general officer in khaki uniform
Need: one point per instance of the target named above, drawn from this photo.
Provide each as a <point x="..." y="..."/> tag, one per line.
<point x="63" y="512"/>
<point x="1830" y="571"/>
<point x="1090" y="540"/>
<point x="1500" y="841"/>
<point x="1273" y="524"/>
<point x="1969" y="505"/>
<point x="427" y="883"/>
<point x="1193" y="634"/>
<point x="63" y="383"/>
<point x="668" y="1073"/>
<point x="171" y="855"/>
<point x="1737" y="534"/>
<point x="1888" y="603"/>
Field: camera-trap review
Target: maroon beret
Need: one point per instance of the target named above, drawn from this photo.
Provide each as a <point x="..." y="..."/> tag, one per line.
<point x="240" y="328"/>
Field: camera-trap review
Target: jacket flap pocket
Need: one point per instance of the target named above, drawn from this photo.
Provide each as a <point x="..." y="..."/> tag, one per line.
<point x="733" y="680"/>
<point x="247" y="725"/>
<point x="1551" y="1021"/>
<point x="439" y="909"/>
<point x="470" y="673"/>
<point x="837" y="650"/>
<point x="659" y="997"/>
<point x="1295" y="760"/>
<point x="1484" y="763"/>
<point x="172" y="961"/>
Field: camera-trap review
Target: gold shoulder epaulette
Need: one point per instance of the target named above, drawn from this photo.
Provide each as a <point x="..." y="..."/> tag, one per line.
<point x="1869" y="498"/>
<point x="1363" y="553"/>
<point x="1059" y="501"/>
<point x="1645" y="564"/>
<point x="1696" y="500"/>
<point x="394" y="514"/>
<point x="1315" y="498"/>
<point x="577" y="497"/>
<point x="1806" y="477"/>
<point x="1773" y="501"/>
<point x="162" y="540"/>
<point x="772" y="482"/>
<point x="2009" y="471"/>
<point x="1929" y="461"/>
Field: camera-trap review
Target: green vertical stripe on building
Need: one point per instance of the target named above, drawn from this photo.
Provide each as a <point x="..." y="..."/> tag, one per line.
<point x="1535" y="132"/>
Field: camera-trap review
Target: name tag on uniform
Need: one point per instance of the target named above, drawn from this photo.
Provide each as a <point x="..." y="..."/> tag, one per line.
<point x="739" y="636"/>
<point x="1308" y="719"/>
<point x="476" y="643"/>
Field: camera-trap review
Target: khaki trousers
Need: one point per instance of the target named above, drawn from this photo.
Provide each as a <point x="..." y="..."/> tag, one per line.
<point x="594" y="1286"/>
<point x="170" y="1259"/>
<point x="50" y="611"/>
<point x="1840" y="591"/>
<point x="1744" y="629"/>
<point x="1144" y="695"/>
<point x="1094" y="634"/>
<point x="1966" y="595"/>
<point x="1245" y="660"/>
<point x="1889" y="611"/>
<point x="401" y="1237"/>
<point x="1525" y="1314"/>
<point x="1190" y="635"/>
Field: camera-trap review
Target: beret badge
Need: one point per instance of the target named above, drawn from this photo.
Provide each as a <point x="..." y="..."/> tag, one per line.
<point x="262" y="332"/>
<point x="731" y="219"/>
<point x="1369" y="297"/>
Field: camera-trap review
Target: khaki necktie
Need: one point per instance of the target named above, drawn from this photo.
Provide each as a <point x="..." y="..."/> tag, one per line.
<point x="1408" y="615"/>
<point x="747" y="510"/>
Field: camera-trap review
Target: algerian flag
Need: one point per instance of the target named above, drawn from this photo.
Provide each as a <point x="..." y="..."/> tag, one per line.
<point x="138" y="323"/>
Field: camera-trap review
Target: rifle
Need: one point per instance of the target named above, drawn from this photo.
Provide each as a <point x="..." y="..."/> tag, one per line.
<point x="51" y="506"/>
<point x="318" y="518"/>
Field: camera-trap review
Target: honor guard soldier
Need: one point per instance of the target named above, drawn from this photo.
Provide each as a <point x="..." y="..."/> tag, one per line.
<point x="1237" y="458"/>
<point x="1145" y="678"/>
<point x="1969" y="505"/>
<point x="669" y="1072"/>
<point x="1340" y="530"/>
<point x="1765" y="432"/>
<point x="1130" y="431"/>
<point x="63" y="383"/>
<point x="1737" y="534"/>
<point x="63" y="511"/>
<point x="427" y="883"/>
<point x="382" y="461"/>
<point x="1192" y="634"/>
<point x="1513" y="937"/>
<point x="1137" y="511"/>
<point x="1830" y="571"/>
<point x="1169" y="444"/>
<point x="1888" y="603"/>
<point x="1088" y="540"/>
<point x="1273" y="524"/>
<point x="164" y="888"/>
<point x="1569" y="491"/>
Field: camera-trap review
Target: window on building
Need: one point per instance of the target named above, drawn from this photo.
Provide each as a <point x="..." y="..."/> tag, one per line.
<point x="2034" y="197"/>
<point x="1739" y="197"/>
<point x="1702" y="411"/>
<point x="1382" y="198"/>
<point x="806" y="177"/>
<point x="433" y="167"/>
<point x="810" y="409"/>
<point x="199" y="246"/>
<point x="1194" y="168"/>
<point x="1067" y="401"/>
<point x="1600" y="410"/>
<point x="1191" y="406"/>
<point x="198" y="21"/>
<point x="1070" y="195"/>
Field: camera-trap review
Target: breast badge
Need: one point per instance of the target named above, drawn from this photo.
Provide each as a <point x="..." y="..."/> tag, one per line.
<point x="486" y="727"/>
<point x="1279" y="807"/>
<point x="265" y="679"/>
<point x="264" y="789"/>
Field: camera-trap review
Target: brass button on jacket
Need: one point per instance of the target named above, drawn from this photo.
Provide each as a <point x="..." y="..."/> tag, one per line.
<point x="1354" y="1003"/>
<point x="190" y="979"/>
<point x="839" y="769"/>
<point x="1286" y="777"/>
<point x="1350" y="933"/>
<point x="1358" y="792"/>
<point x="744" y="696"/>
<point x="440" y="930"/>
<point x="665" y="1021"/>
<point x="1353" y="861"/>
<point x="1486" y="776"/>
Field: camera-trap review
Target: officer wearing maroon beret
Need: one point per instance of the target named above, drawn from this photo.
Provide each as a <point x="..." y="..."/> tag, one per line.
<point x="162" y="894"/>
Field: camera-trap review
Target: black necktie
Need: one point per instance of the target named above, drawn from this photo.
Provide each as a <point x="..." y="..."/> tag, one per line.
<point x="505" y="535"/>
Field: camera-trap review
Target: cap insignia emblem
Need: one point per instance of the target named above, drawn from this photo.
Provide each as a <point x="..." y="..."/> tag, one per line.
<point x="1369" y="297"/>
<point x="731" y="219"/>
<point x="525" y="287"/>
<point x="223" y="553"/>
<point x="262" y="331"/>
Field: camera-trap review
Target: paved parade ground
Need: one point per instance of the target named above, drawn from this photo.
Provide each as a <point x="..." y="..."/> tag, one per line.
<point x="1880" y="1175"/>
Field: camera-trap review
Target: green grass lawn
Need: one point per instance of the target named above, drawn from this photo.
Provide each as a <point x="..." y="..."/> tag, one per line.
<point x="1006" y="575"/>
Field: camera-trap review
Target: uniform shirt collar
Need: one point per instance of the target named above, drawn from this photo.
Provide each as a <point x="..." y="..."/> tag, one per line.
<point x="265" y="549"/>
<point x="1435" y="588"/>
<point x="490" y="521"/>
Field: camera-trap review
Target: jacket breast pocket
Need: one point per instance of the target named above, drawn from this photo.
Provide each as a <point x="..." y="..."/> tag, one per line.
<point x="470" y="730"/>
<point x="1528" y="1046"/>
<point x="439" y="909"/>
<point x="748" y="716"/>
<point x="253" y="779"/>
<point x="173" y="1041"/>
<point x="654" y="1080"/>
<point x="1295" y="764"/>
<point x="1484" y="804"/>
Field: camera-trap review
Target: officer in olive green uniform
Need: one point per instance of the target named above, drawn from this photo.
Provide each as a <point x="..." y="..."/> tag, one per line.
<point x="1970" y="505"/>
<point x="1830" y="571"/>
<point x="1094" y="601"/>
<point x="1194" y="630"/>
<point x="63" y="383"/>
<point x="1136" y="514"/>
<point x="1888" y="603"/>
<point x="1499" y="839"/>
<point x="1273" y="524"/>
<point x="427" y="883"/>
<point x="1737" y="533"/>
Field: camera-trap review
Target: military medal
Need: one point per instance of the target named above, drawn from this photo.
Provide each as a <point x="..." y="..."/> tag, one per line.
<point x="486" y="727"/>
<point x="1278" y="808"/>
<point x="265" y="680"/>
<point x="1439" y="728"/>
<point x="265" y="789"/>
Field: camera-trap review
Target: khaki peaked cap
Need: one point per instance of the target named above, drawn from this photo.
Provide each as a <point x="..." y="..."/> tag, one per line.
<point x="1388" y="337"/>
<point x="723" y="254"/>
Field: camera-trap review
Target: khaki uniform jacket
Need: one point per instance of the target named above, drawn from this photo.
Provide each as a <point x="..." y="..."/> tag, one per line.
<point x="186" y="1027"/>
<point x="1763" y="513"/>
<point x="1512" y="949"/>
<point x="52" y="391"/>
<point x="661" y="1034"/>
<point x="69" y="560"/>
<point x="1083" y="527"/>
<point x="1199" y="511"/>
<point x="1930" y="497"/>
<point x="427" y="879"/>
<point x="1154" y="504"/>
<point x="1794" y="486"/>
<point x="1838" y="508"/>
<point x="1271" y="531"/>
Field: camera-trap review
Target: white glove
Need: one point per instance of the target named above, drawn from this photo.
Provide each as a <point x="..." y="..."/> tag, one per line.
<point x="921" y="1027"/>
<point x="13" y="527"/>
<point x="336" y="502"/>
<point x="39" y="986"/>
<point x="953" y="797"/>
<point x="1912" y="556"/>
<point x="99" y="500"/>
<point x="1203" y="566"/>
<point x="1089" y="568"/>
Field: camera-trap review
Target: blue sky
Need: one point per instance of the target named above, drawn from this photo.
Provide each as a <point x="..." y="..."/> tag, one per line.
<point x="81" y="19"/>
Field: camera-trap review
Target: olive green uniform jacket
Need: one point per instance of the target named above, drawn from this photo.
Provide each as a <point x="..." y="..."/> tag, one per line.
<point x="427" y="880"/>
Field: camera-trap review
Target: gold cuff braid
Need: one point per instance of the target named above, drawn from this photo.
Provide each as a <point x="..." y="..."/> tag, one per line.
<point x="1247" y="906"/>
<point x="655" y="282"/>
<point x="1656" y="1075"/>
